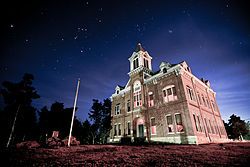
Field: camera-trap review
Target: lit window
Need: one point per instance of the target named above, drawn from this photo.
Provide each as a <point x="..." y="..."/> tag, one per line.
<point x="153" y="126"/>
<point x="179" y="125"/>
<point x="170" y="125"/>
<point x="117" y="109"/>
<point x="151" y="99"/>
<point x="190" y="93"/>
<point x="169" y="93"/>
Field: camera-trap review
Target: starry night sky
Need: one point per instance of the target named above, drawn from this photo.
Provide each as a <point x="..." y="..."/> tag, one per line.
<point x="60" y="41"/>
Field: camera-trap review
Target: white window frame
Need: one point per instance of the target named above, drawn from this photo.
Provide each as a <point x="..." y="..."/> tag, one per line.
<point x="119" y="125"/>
<point x="150" y="102"/>
<point x="115" y="129"/>
<point x="117" y="109"/>
<point x="176" y="123"/>
<point x="190" y="93"/>
<point x="173" y="126"/>
<point x="169" y="97"/>
<point x="152" y="126"/>
<point x="137" y="96"/>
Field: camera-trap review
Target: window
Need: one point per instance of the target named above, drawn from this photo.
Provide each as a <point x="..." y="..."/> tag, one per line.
<point x="195" y="122"/>
<point x="213" y="105"/>
<point x="179" y="125"/>
<point x="203" y="99"/>
<point x="215" y="129"/>
<point x="153" y="126"/>
<point x="136" y="62"/>
<point x="208" y="128"/>
<point x="115" y="130"/>
<point x="137" y="94"/>
<point x="208" y="103"/>
<point x="164" y="70"/>
<point x="199" y="121"/>
<point x="128" y="106"/>
<point x="129" y="128"/>
<point x="190" y="93"/>
<point x="169" y="93"/>
<point x="119" y="130"/>
<point x="170" y="125"/>
<point x="117" y="109"/>
<point x="199" y="98"/>
<point x="211" y="126"/>
<point x="146" y="63"/>
<point x="151" y="99"/>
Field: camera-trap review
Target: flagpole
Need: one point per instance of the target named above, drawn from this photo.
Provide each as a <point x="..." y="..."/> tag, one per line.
<point x="13" y="126"/>
<point x="73" y="114"/>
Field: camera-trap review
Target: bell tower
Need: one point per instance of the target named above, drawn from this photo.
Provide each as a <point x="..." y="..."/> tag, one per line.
<point x="140" y="60"/>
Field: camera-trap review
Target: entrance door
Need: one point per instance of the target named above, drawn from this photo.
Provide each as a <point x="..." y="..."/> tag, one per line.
<point x="141" y="130"/>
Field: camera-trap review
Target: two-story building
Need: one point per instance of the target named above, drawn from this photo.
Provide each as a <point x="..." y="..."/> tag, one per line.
<point x="170" y="105"/>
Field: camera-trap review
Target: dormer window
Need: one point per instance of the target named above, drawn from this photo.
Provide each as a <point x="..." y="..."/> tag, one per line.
<point x="136" y="62"/>
<point x="164" y="70"/>
<point x="117" y="92"/>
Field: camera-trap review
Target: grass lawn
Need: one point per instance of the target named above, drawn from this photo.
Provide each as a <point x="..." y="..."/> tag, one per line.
<point x="229" y="154"/>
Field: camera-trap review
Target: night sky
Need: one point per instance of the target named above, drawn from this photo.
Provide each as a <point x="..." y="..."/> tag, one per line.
<point x="61" y="41"/>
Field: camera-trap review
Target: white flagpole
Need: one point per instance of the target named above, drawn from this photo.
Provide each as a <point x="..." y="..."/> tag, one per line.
<point x="13" y="126"/>
<point x="73" y="114"/>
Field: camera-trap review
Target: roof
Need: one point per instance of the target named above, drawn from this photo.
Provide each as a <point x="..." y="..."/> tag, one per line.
<point x="121" y="87"/>
<point x="139" y="48"/>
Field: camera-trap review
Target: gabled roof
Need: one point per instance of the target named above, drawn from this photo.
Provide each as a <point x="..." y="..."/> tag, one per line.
<point x="139" y="48"/>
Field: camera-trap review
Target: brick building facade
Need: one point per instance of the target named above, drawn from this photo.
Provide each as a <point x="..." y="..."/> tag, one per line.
<point x="170" y="105"/>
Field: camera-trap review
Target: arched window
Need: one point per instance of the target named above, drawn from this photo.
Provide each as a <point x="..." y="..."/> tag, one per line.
<point x="137" y="94"/>
<point x="169" y="93"/>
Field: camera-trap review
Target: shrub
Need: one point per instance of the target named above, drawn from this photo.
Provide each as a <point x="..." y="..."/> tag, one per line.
<point x="139" y="140"/>
<point x="126" y="140"/>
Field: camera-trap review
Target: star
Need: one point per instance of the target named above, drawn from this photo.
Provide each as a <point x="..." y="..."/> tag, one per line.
<point x="81" y="51"/>
<point x="76" y="37"/>
<point x="12" y="26"/>
<point x="26" y="40"/>
<point x="170" y="31"/>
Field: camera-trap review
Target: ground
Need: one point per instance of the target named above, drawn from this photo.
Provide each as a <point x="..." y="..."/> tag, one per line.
<point x="229" y="154"/>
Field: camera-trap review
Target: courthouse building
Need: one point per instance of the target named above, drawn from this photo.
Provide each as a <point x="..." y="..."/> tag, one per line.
<point x="170" y="105"/>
